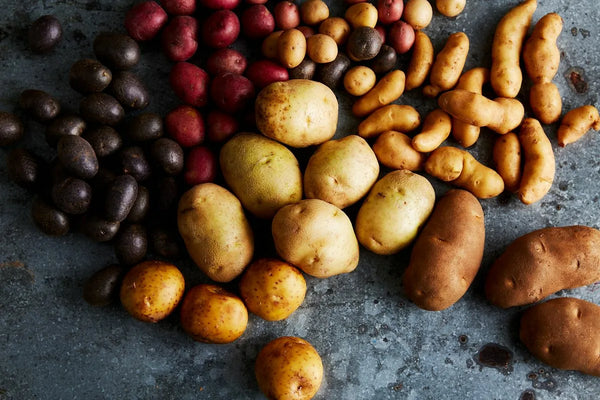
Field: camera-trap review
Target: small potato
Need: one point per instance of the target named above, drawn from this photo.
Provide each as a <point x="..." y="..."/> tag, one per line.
<point x="448" y="65"/>
<point x="226" y="60"/>
<point x="450" y="8"/>
<point x="287" y="15"/>
<point x="436" y="129"/>
<point x="220" y="29"/>
<point x="231" y="93"/>
<point x="270" y="47"/>
<point x="305" y="70"/>
<point x="313" y="12"/>
<point x="393" y="117"/>
<point x="577" y="123"/>
<point x="331" y="74"/>
<point x="539" y="166"/>
<point x="563" y="333"/>
<point x="543" y="262"/>
<point x="418" y="13"/>
<point x="321" y="48"/>
<point x="210" y="314"/>
<point x="264" y="72"/>
<point x="401" y="36"/>
<point x="389" y="11"/>
<point x="151" y="290"/>
<point x="361" y="14"/>
<point x="364" y="43"/>
<point x="507" y="158"/>
<point x="384" y="61"/>
<point x="144" y="20"/>
<point x="257" y="21"/>
<point x="289" y="368"/>
<point x="394" y="150"/>
<point x="272" y="289"/>
<point x="420" y="61"/>
<point x="179" y="38"/>
<point x="316" y="237"/>
<point x="388" y="89"/>
<point x="190" y="83"/>
<point x="341" y="171"/>
<point x="394" y="211"/>
<point x="291" y="47"/>
<point x="337" y="28"/>
<point x="359" y="80"/>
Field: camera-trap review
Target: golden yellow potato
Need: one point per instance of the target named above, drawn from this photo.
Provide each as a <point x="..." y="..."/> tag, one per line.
<point x="210" y="314"/>
<point x="291" y="47"/>
<point x="576" y="123"/>
<point x="316" y="237"/>
<point x="388" y="89"/>
<point x="215" y="231"/>
<point x="341" y="171"/>
<point x="436" y="129"/>
<point x="337" y="28"/>
<point x="417" y="13"/>
<point x="269" y="45"/>
<point x="272" y="289"/>
<point x="393" y="117"/>
<point x="539" y="165"/>
<point x="298" y="112"/>
<point x="361" y="14"/>
<point x="420" y="61"/>
<point x="507" y="158"/>
<point x="321" y="48"/>
<point x="289" y="368"/>
<point x="359" y="80"/>
<point x="394" y="150"/>
<point x="394" y="211"/>
<point x="472" y="80"/>
<point x="263" y="173"/>
<point x="448" y="65"/>
<point x="151" y="290"/>
<point x="450" y="8"/>
<point x="313" y="12"/>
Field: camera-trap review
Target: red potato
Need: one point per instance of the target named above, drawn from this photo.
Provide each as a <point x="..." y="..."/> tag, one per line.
<point x="307" y="31"/>
<point x="220" y="4"/>
<point x="257" y="21"/>
<point x="381" y="30"/>
<point x="186" y="126"/>
<point x="220" y="126"/>
<point x="179" y="7"/>
<point x="389" y="11"/>
<point x="220" y="29"/>
<point x="200" y="166"/>
<point x="144" y="20"/>
<point x="401" y="37"/>
<point x="256" y="1"/>
<point x="179" y="39"/>
<point x="264" y="72"/>
<point x="190" y="83"/>
<point x="287" y="15"/>
<point x="226" y="60"/>
<point x="231" y="92"/>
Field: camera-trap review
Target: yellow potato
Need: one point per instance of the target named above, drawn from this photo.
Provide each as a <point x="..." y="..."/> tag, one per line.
<point x="359" y="80"/>
<point x="215" y="231"/>
<point x="538" y="168"/>
<point x="337" y="28"/>
<point x="507" y="158"/>
<point x="417" y="13"/>
<point x="394" y="211"/>
<point x="450" y="8"/>
<point x="341" y="171"/>
<point x="393" y="117"/>
<point x="436" y="129"/>
<point x="394" y="150"/>
<point x="321" y="48"/>
<point x="448" y="65"/>
<point x="577" y="123"/>
<point x="263" y="173"/>
<point x="420" y="61"/>
<point x="313" y="12"/>
<point x="361" y="14"/>
<point x="291" y="47"/>
<point x="269" y="45"/>
<point x="472" y="80"/>
<point x="388" y="89"/>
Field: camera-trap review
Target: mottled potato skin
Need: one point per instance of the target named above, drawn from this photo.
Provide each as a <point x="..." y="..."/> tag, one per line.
<point x="210" y="314"/>
<point x="272" y="289"/>
<point x="543" y="262"/>
<point x="151" y="290"/>
<point x="298" y="112"/>
<point x="448" y="252"/>
<point x="289" y="368"/>
<point x="262" y="173"/>
<point x="317" y="237"/>
<point x="564" y="333"/>
<point x="215" y="231"/>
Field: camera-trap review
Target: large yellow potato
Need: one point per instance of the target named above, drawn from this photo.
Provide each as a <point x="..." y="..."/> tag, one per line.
<point x="263" y="173"/>
<point x="317" y="237"/>
<point x="394" y="211"/>
<point x="341" y="171"/>
<point x="298" y="112"/>
<point x="215" y="230"/>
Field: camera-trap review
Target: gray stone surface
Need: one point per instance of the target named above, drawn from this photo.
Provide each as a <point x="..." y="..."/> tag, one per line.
<point x="374" y="343"/>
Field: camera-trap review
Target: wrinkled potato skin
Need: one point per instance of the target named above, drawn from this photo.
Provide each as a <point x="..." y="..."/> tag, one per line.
<point x="576" y="123"/>
<point x="263" y="173"/>
<point x="420" y="61"/>
<point x="215" y="231"/>
<point x="394" y="211"/>
<point x="543" y="262"/>
<point x="448" y="65"/>
<point x="298" y="112"/>
<point x="539" y="166"/>
<point x="507" y="158"/>
<point x="564" y="333"/>
<point x="394" y="150"/>
<point x="472" y="80"/>
<point x="316" y="237"/>
<point x="341" y="171"/>
<point x="388" y="89"/>
<point x="436" y="128"/>
<point x="447" y="253"/>
<point x="393" y="117"/>
<point x="289" y="368"/>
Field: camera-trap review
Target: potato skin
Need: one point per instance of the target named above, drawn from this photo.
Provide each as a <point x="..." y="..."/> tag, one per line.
<point x="420" y="62"/>
<point x="215" y="231"/>
<point x="448" y="252"/>
<point x="539" y="166"/>
<point x="564" y="333"/>
<point x="448" y="65"/>
<point x="543" y="262"/>
<point x="394" y="150"/>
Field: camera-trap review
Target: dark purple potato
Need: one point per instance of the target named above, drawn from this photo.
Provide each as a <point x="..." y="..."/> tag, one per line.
<point x="363" y="43"/>
<point x="120" y="198"/>
<point x="116" y="50"/>
<point x="140" y="207"/>
<point x="11" y="129"/>
<point x="385" y="60"/>
<point x="99" y="229"/>
<point x="131" y="244"/>
<point x="48" y="219"/>
<point x="143" y="127"/>
<point x="168" y="154"/>
<point x="44" y="34"/>
<point x="332" y="73"/>
<point x="23" y="168"/>
<point x="72" y="195"/>
<point x="305" y="70"/>
<point x="164" y="243"/>
<point x="134" y="162"/>
<point x="39" y="104"/>
<point x="102" y="288"/>
<point x="77" y="156"/>
<point x="89" y="76"/>
<point x="105" y="140"/>
<point x="101" y="108"/>
<point x="64" y="125"/>
<point x="129" y="90"/>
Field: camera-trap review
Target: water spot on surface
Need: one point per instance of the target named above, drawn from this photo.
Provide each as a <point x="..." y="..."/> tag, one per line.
<point x="495" y="356"/>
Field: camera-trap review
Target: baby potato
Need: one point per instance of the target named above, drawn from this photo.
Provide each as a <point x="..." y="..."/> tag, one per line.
<point x="359" y="80"/>
<point x="317" y="237"/>
<point x="362" y="14"/>
<point x="313" y="12"/>
<point x="321" y="48"/>
<point x="394" y="211"/>
<point x="289" y="368"/>
<point x="450" y="8"/>
<point x="393" y="117"/>
<point x="269" y="47"/>
<point x="394" y="150"/>
<point x="210" y="314"/>
<point x="151" y="290"/>
<point x="291" y="47"/>
<point x="337" y="28"/>
<point x="341" y="171"/>
<point x="272" y="289"/>
<point x="418" y="13"/>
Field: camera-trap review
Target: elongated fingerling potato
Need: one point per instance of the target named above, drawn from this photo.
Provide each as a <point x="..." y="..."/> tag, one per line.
<point x="539" y="168"/>
<point x="420" y="61"/>
<point x="393" y="117"/>
<point x="388" y="89"/>
<point x="448" y="65"/>
<point x="507" y="158"/>
<point x="577" y="123"/>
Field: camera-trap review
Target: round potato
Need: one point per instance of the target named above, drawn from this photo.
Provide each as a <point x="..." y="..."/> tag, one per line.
<point x="289" y="368"/>
<point x="272" y="289"/>
<point x="291" y="48"/>
<point x="210" y="314"/>
<point x="298" y="112"/>
<point x="321" y="48"/>
<point x="263" y="173"/>
<point x="151" y="290"/>
<point x="341" y="171"/>
<point x="394" y="211"/>
<point x="215" y="231"/>
<point x="317" y="237"/>
<point x="359" y="80"/>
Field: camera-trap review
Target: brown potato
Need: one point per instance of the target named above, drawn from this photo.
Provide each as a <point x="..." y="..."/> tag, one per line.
<point x="321" y="48"/>
<point x="337" y="28"/>
<point x="448" y="65"/>
<point x="393" y="117"/>
<point x="539" y="166"/>
<point x="313" y="12"/>
<point x="388" y="89"/>
<point x="359" y="80"/>
<point x="420" y="61"/>
<point x="291" y="47"/>
<point x="507" y="158"/>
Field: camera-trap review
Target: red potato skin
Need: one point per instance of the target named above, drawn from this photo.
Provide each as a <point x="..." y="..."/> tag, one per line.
<point x="231" y="93"/>
<point x="190" y="83"/>
<point x="220" y="29"/>
<point x="286" y="14"/>
<point x="220" y="126"/>
<point x="226" y="60"/>
<point x="179" y="39"/>
<point x="257" y="21"/>
<point x="389" y="11"/>
<point x="179" y="7"/>
<point x="401" y="37"/>
<point x="265" y="72"/>
<point x="307" y="31"/>
<point x="256" y="1"/>
<point x="200" y="166"/>
<point x="220" y="4"/>
<point x="444" y="259"/>
<point x="186" y="126"/>
<point x="144" y="20"/>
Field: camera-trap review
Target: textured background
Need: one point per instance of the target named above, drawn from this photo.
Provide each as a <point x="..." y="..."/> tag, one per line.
<point x="374" y="343"/>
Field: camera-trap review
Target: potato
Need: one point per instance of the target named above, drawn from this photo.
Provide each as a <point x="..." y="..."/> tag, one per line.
<point x="316" y="237"/>
<point x="448" y="252"/>
<point x="151" y="290"/>
<point x="321" y="48"/>
<point x="298" y="112"/>
<point x="393" y="117"/>
<point x="226" y="60"/>
<point x="201" y="166"/>
<point x="401" y="36"/>
<point x="448" y="65"/>
<point x="215" y="231"/>
<point x="287" y="15"/>
<point x="291" y="47"/>
<point x="450" y="8"/>
<point x="179" y="38"/>
<point x="472" y="80"/>
<point x="563" y="333"/>
<point x="272" y="289"/>
<point x="264" y="72"/>
<point x="420" y="61"/>
<point x="436" y="129"/>
<point x="289" y="368"/>
<point x="543" y="262"/>
<point x="418" y="13"/>
<point x="190" y="83"/>
<point x="312" y="12"/>
<point x="507" y="158"/>
<point x="388" y="89"/>
<point x="364" y="43"/>
<point x="270" y="45"/>
<point x="257" y="21"/>
<point x="576" y="123"/>
<point x="263" y="174"/>
<point x="210" y="314"/>
<point x="331" y="74"/>
<point x="231" y="93"/>
<point x="361" y="14"/>
<point x="389" y="11"/>
<point x="337" y="28"/>
<point x="144" y="20"/>
<point x="341" y="171"/>
<point x="394" y="150"/>
<point x="220" y="29"/>
<point x="539" y="166"/>
<point x="359" y="80"/>
<point x="394" y="211"/>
